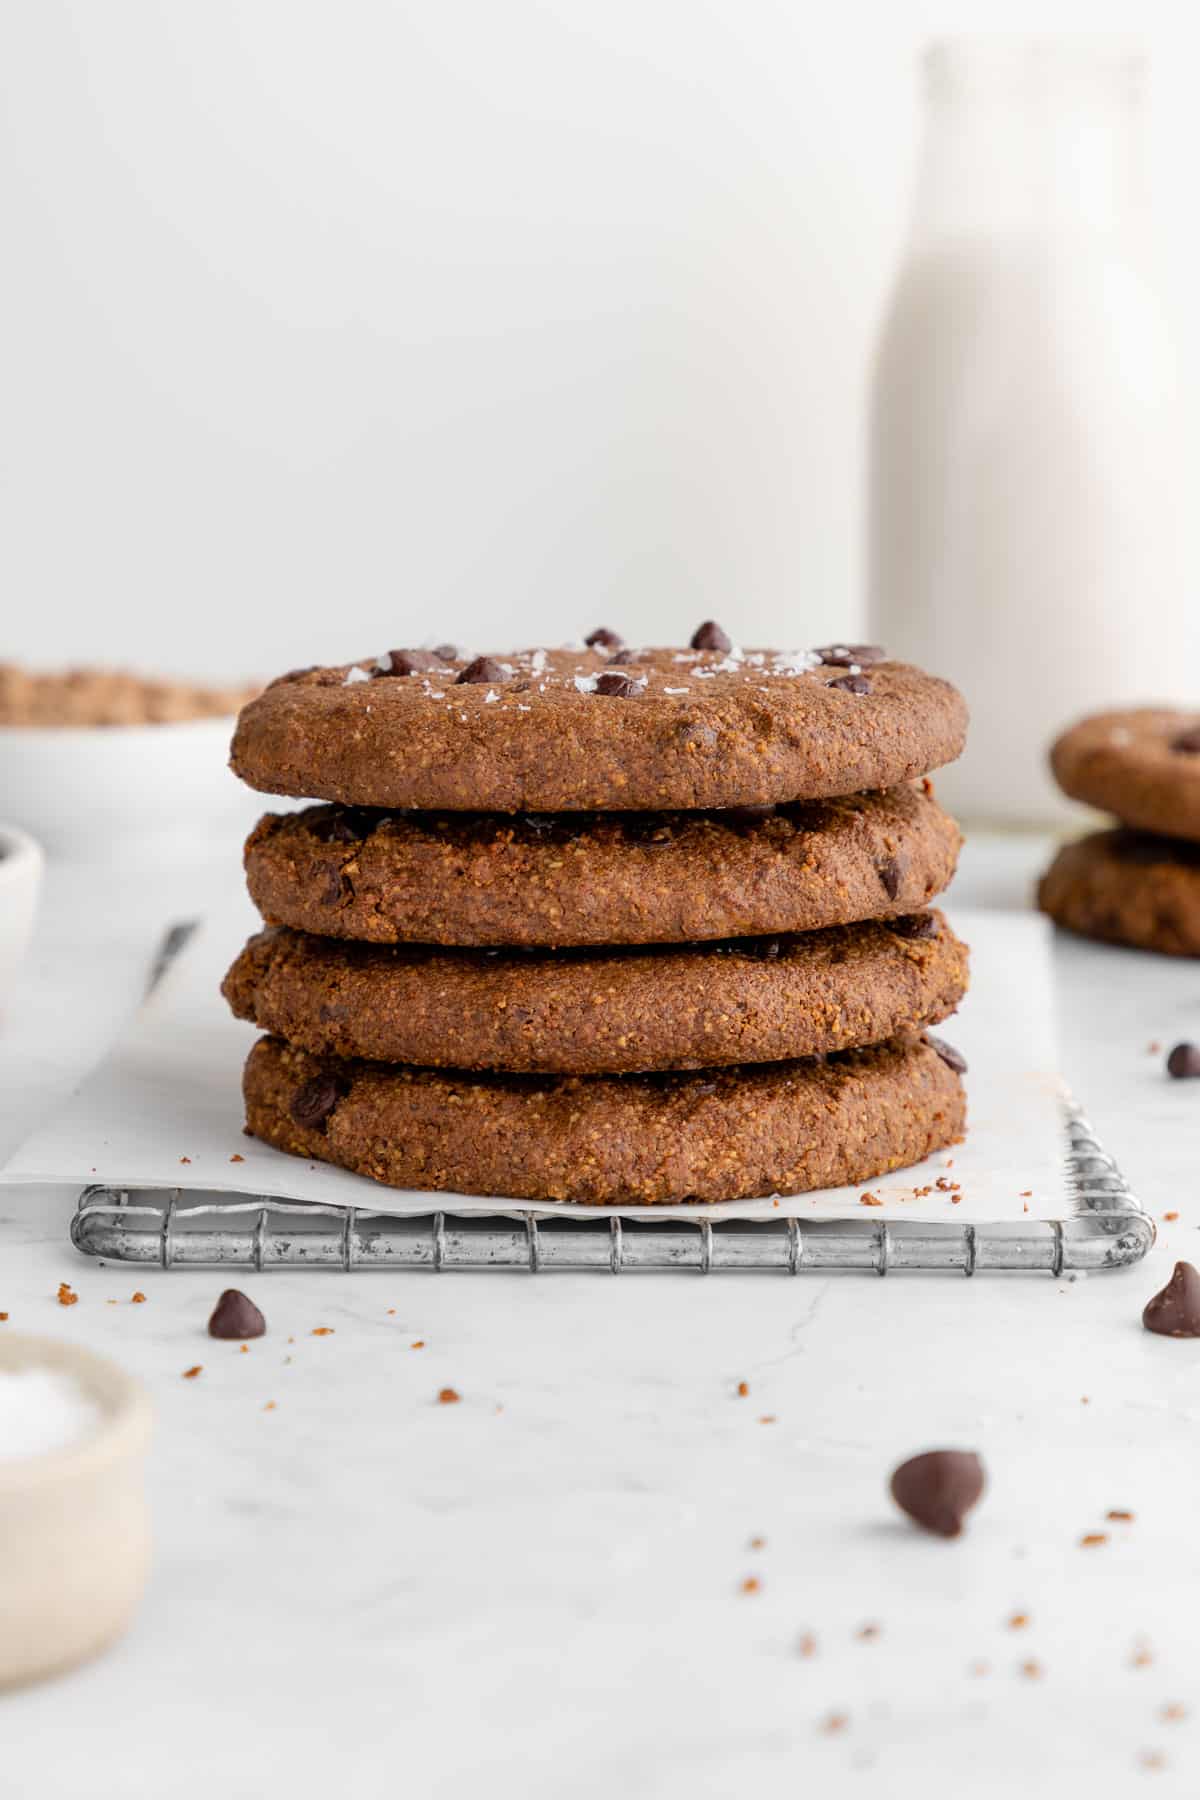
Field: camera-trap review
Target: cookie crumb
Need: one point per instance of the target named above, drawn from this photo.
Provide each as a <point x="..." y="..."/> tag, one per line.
<point x="137" y="1298"/>
<point x="185" y="1159"/>
<point x="1032" y="1669"/>
<point x="1118" y="1512"/>
<point x="67" y="1295"/>
<point x="751" y="1585"/>
<point x="323" y="1330"/>
<point x="237" y="1157"/>
<point x="743" y="1388"/>
<point x="1018" y="1621"/>
<point x="270" y="1406"/>
<point x="417" y="1344"/>
<point x="448" y="1396"/>
<point x="191" y="1374"/>
<point x="866" y="1634"/>
<point x="758" y="1543"/>
<point x="767" y="1419"/>
<point x="834" y="1721"/>
<point x="1091" y="1539"/>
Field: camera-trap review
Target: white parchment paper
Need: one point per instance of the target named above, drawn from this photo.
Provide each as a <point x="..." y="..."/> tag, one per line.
<point x="164" y="1109"/>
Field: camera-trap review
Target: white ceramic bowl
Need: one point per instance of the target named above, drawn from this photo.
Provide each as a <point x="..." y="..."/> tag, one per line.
<point x="90" y="789"/>
<point x="20" y="878"/>
<point x="74" y="1538"/>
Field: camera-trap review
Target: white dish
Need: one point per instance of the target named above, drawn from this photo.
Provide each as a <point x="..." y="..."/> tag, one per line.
<point x="74" y="1538"/>
<point x="90" y="789"/>
<point x="21" y="864"/>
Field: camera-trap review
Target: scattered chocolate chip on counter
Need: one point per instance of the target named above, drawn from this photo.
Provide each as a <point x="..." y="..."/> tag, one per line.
<point x="938" y="1489"/>
<point x="236" y="1316"/>
<point x="1175" y="1311"/>
<point x="1183" y="1063"/>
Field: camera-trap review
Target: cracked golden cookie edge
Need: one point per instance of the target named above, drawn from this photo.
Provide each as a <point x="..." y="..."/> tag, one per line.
<point x="616" y="1012"/>
<point x="567" y="730"/>
<point x="601" y="1140"/>
<point x="1129" y="888"/>
<point x="557" y="880"/>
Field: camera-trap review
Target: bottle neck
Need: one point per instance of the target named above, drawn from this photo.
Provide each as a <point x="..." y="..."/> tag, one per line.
<point x="1039" y="142"/>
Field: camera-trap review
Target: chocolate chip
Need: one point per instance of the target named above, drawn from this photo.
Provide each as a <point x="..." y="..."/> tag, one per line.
<point x="889" y="872"/>
<point x="953" y="1059"/>
<point x="1175" y="1312"/>
<point x="938" y="1489"/>
<point x="408" y="662"/>
<point x="647" y="828"/>
<point x="312" y="1104"/>
<point x="853" y="684"/>
<point x="484" y="669"/>
<point x="915" y="925"/>
<point x="342" y="825"/>
<point x="743" y="819"/>
<point x="331" y="893"/>
<point x="1184" y="1062"/>
<point x="559" y="828"/>
<point x="1188" y="742"/>
<point x="622" y="687"/>
<point x="236" y="1316"/>
<point x="765" y="949"/>
<point x="709" y="636"/>
<point x="842" y="656"/>
<point x="447" y="652"/>
<point x="606" y="639"/>
<point x="624" y="656"/>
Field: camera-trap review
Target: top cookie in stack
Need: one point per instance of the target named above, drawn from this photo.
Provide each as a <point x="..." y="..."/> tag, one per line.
<point x="603" y="924"/>
<point x="1138" y="884"/>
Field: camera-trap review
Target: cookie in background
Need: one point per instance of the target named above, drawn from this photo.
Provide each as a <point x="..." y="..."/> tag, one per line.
<point x="1137" y="884"/>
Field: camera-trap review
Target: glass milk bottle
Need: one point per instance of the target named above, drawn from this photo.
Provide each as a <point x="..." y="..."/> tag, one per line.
<point x="1025" y="447"/>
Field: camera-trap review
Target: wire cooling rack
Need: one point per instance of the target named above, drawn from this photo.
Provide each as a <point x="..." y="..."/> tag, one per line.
<point x="1104" y="1227"/>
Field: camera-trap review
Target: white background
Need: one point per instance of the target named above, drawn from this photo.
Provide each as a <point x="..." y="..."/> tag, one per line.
<point x="331" y="326"/>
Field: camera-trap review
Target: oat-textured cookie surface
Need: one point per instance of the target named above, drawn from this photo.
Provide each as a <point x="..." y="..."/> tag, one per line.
<point x="1143" y="766"/>
<point x="599" y="728"/>
<point x="603" y="1140"/>
<point x="602" y="1012"/>
<point x="612" y="878"/>
<point x="1127" y="887"/>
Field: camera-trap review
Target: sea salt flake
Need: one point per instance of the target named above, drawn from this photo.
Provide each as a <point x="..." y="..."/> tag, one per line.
<point x="668" y="690"/>
<point x="537" y="662"/>
<point x="355" y="674"/>
<point x="585" y="684"/>
<point x="490" y="698"/>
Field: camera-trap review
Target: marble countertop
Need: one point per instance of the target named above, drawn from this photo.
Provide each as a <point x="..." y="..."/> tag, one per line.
<point x="604" y="1571"/>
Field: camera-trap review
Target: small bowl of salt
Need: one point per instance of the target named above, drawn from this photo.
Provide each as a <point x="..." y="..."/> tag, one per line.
<point x="74" y="1539"/>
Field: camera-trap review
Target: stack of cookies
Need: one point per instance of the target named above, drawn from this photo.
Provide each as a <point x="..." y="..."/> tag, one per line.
<point x="603" y="924"/>
<point x="1138" y="883"/>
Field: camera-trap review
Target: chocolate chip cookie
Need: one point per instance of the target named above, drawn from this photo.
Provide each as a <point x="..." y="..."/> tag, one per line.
<point x="1127" y="887"/>
<point x="602" y="1012"/>
<point x="1142" y="766"/>
<point x="599" y="728"/>
<point x="610" y="878"/>
<point x="619" y="1139"/>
